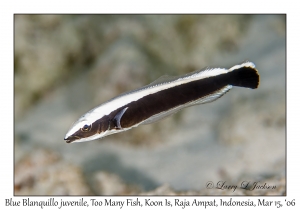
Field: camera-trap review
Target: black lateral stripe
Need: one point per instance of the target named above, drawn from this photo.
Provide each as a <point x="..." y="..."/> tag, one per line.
<point x="167" y="99"/>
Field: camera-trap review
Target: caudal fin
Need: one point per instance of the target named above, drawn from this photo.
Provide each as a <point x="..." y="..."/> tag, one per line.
<point x="244" y="75"/>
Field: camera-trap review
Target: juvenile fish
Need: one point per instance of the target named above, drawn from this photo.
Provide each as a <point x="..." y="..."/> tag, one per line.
<point x="161" y="98"/>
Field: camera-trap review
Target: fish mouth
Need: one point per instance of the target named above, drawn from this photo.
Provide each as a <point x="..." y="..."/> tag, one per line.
<point x="71" y="139"/>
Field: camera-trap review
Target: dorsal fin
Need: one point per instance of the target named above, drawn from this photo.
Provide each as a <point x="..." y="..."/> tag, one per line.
<point x="117" y="119"/>
<point x="206" y="71"/>
<point x="163" y="79"/>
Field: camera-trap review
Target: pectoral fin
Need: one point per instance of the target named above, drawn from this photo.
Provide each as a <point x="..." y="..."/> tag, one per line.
<point x="117" y="119"/>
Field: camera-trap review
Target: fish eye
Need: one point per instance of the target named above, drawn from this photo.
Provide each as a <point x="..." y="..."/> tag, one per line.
<point x="86" y="128"/>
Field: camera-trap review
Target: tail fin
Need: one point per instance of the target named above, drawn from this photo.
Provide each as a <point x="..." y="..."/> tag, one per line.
<point x="244" y="75"/>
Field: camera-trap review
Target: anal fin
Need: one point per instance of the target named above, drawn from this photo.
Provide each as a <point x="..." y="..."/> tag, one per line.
<point x="213" y="96"/>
